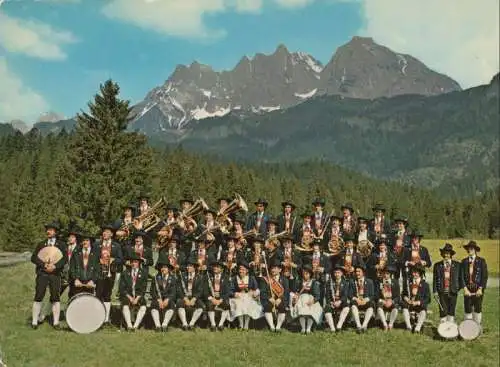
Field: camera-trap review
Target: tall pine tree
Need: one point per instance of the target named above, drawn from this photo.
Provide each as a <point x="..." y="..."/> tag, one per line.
<point x="107" y="165"/>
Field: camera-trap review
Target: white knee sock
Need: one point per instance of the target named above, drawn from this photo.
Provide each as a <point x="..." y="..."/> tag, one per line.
<point x="450" y="318"/>
<point x="309" y="324"/>
<point x="381" y="316"/>
<point x="468" y="316"/>
<point x="246" y="319"/>
<point x="355" y="315"/>
<point x="139" y="317"/>
<point x="302" y="321"/>
<point x="477" y="317"/>
<point x="196" y="315"/>
<point x="156" y="317"/>
<point x="211" y="316"/>
<point x="223" y="318"/>
<point x="56" y="312"/>
<point x="420" y="321"/>
<point x="127" y="317"/>
<point x="393" y="316"/>
<point x="280" y="320"/>
<point x="182" y="315"/>
<point x="107" y="307"/>
<point x="269" y="318"/>
<point x="240" y="321"/>
<point x="368" y="317"/>
<point x="406" y="316"/>
<point x="343" y="315"/>
<point x="329" y="320"/>
<point x="35" y="313"/>
<point x="168" y="317"/>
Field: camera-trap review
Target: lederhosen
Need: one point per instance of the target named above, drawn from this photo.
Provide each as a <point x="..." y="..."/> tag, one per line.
<point x="266" y="295"/>
<point x="362" y="291"/>
<point x="336" y="292"/>
<point x="189" y="289"/>
<point x="132" y="286"/>
<point x="474" y="276"/>
<point x="417" y="292"/>
<point x="388" y="290"/>
<point x="65" y="278"/>
<point x="83" y="268"/>
<point x="446" y="284"/>
<point x="164" y="289"/>
<point x="45" y="279"/>
<point x="107" y="274"/>
<point x="219" y="290"/>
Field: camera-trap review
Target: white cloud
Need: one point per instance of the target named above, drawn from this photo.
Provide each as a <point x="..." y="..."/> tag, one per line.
<point x="185" y="18"/>
<point x="33" y="38"/>
<point x="176" y="18"/>
<point x="18" y="101"/>
<point x="457" y="37"/>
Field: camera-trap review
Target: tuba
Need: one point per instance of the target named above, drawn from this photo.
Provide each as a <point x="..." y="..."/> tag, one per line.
<point x="234" y="206"/>
<point x="335" y="245"/>
<point x="196" y="209"/>
<point x="365" y="248"/>
<point x="152" y="217"/>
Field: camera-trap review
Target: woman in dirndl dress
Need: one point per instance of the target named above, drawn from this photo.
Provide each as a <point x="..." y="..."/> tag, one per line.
<point x="245" y="305"/>
<point x="305" y="302"/>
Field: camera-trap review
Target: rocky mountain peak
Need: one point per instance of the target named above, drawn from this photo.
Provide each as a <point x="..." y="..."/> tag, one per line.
<point x="364" y="69"/>
<point x="266" y="82"/>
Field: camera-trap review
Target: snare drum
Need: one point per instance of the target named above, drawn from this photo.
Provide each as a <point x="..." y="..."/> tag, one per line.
<point x="85" y="313"/>
<point x="448" y="330"/>
<point x="469" y="330"/>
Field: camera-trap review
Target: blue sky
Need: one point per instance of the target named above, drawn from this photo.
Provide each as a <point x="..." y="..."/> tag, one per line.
<point x="54" y="53"/>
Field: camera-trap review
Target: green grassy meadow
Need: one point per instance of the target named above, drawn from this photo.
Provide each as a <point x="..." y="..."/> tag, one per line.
<point x="22" y="346"/>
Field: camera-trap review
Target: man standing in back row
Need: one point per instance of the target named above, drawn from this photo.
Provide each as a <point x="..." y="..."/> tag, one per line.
<point x="48" y="274"/>
<point x="474" y="276"/>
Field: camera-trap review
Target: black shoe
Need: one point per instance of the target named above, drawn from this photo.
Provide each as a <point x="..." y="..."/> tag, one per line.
<point x="34" y="327"/>
<point x="56" y="327"/>
<point x="185" y="327"/>
<point x="158" y="329"/>
<point x="164" y="329"/>
<point x="213" y="328"/>
<point x="359" y="330"/>
<point x="220" y="328"/>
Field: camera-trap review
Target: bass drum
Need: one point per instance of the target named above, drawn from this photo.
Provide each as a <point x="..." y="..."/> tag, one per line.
<point x="85" y="313"/>
<point x="469" y="330"/>
<point x="448" y="330"/>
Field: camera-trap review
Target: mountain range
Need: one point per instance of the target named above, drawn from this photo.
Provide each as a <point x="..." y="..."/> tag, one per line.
<point x="264" y="83"/>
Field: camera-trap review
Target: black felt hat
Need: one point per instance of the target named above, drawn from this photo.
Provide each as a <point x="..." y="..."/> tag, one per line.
<point x="261" y="201"/>
<point x="288" y="202"/>
<point x="347" y="206"/>
<point x="472" y="244"/>
<point x="54" y="225"/>
<point x="379" y="207"/>
<point x="448" y="247"/>
<point x="319" y="201"/>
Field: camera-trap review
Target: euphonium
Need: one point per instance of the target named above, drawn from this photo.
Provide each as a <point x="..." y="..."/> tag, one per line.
<point x="335" y="245"/>
<point x="222" y="216"/>
<point x="152" y="217"/>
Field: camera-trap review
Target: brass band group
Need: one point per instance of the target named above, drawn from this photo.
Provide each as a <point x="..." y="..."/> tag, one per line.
<point x="317" y="267"/>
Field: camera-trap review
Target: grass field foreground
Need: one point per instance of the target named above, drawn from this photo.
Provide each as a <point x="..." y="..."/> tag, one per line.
<point x="22" y="346"/>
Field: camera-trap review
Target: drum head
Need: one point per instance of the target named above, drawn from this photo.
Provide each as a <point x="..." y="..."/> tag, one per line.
<point x="448" y="330"/>
<point x="469" y="329"/>
<point x="85" y="313"/>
